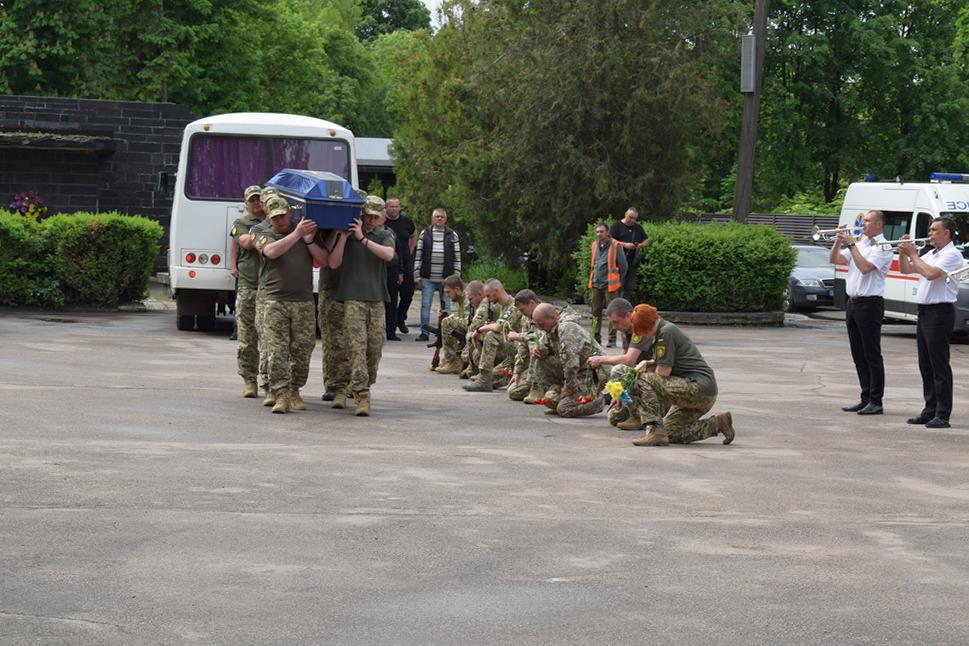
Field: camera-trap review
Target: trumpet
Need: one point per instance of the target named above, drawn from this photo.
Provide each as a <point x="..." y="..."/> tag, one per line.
<point x="889" y="245"/>
<point x="957" y="274"/>
<point x="826" y="234"/>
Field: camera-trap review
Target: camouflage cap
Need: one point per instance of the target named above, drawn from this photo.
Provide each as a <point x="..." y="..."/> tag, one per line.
<point x="373" y="205"/>
<point x="277" y="205"/>
<point x="267" y="193"/>
<point x="252" y="190"/>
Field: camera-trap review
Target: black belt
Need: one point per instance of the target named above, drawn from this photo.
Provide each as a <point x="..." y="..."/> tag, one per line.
<point x="862" y="299"/>
<point x="929" y="305"/>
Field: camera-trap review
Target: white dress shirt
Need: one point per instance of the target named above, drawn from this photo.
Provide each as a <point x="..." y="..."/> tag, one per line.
<point x="930" y="292"/>
<point x="861" y="284"/>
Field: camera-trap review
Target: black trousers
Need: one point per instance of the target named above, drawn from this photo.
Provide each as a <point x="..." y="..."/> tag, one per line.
<point x="863" y="318"/>
<point x="390" y="307"/>
<point x="933" y="334"/>
<point x="406" y="295"/>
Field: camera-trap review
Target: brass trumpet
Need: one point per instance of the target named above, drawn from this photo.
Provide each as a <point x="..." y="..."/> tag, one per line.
<point x="826" y="234"/>
<point x="957" y="274"/>
<point x="889" y="245"/>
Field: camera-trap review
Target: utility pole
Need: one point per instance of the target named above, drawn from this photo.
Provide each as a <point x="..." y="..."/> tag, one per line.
<point x="751" y="81"/>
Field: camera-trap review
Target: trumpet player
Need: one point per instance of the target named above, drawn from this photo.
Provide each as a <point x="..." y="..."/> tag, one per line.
<point x="868" y="262"/>
<point x="936" y="300"/>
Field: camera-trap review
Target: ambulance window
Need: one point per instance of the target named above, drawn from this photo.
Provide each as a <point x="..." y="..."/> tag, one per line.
<point x="896" y="224"/>
<point x="922" y="222"/>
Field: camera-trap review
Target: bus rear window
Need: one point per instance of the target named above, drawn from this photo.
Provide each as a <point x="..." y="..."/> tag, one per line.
<point x="220" y="167"/>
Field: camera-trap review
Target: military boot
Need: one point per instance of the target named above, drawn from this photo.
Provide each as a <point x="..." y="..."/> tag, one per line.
<point x="363" y="406"/>
<point x="482" y="384"/>
<point x="534" y="395"/>
<point x="281" y="405"/>
<point x="340" y="399"/>
<point x="250" y="390"/>
<point x="655" y="437"/>
<point x="328" y="395"/>
<point x="295" y="401"/>
<point x="449" y="368"/>
<point x="725" y="426"/>
<point x="631" y="423"/>
<point x="270" y="399"/>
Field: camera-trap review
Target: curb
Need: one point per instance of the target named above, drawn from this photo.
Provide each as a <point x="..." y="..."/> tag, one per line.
<point x="753" y="319"/>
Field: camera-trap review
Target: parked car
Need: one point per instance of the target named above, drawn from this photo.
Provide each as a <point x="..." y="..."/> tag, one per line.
<point x="812" y="280"/>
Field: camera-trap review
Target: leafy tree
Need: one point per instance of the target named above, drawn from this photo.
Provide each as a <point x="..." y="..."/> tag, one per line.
<point x="387" y="16"/>
<point x="579" y="111"/>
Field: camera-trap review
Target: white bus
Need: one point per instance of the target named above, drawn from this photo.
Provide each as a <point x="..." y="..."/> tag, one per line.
<point x="909" y="207"/>
<point x="220" y="156"/>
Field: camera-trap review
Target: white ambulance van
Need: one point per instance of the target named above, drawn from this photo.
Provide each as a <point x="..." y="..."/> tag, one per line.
<point x="909" y="207"/>
<point x="220" y="156"/>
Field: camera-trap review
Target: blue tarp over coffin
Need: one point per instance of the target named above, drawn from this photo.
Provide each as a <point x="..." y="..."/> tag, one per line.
<point x="326" y="198"/>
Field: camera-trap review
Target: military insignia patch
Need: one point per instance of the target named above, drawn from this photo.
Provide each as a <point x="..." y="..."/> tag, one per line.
<point x="233" y="232"/>
<point x="637" y="338"/>
<point x="660" y="351"/>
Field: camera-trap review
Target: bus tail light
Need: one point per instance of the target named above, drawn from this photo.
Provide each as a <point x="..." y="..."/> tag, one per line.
<point x="216" y="259"/>
<point x="190" y="258"/>
<point x="191" y="274"/>
<point x="203" y="258"/>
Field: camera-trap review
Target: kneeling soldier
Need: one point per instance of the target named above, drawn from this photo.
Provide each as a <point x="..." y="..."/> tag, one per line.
<point x="289" y="327"/>
<point x="580" y="383"/>
<point x="491" y="336"/>
<point x="455" y="325"/>
<point x="674" y="378"/>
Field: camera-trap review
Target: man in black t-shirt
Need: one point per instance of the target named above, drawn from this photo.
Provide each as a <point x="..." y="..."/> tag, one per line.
<point x="403" y="227"/>
<point x="633" y="239"/>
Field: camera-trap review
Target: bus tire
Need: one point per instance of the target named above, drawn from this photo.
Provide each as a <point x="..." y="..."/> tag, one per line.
<point x="185" y="322"/>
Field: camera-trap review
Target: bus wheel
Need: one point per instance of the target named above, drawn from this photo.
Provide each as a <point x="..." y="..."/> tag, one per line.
<point x="185" y="322"/>
<point x="206" y="322"/>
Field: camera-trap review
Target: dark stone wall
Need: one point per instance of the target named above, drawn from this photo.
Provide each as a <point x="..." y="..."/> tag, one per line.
<point x="137" y="142"/>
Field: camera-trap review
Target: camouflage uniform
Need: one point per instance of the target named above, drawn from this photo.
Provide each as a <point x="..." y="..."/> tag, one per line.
<point x="546" y="370"/>
<point x="363" y="290"/>
<point x="681" y="399"/>
<point x="487" y="312"/>
<point x="249" y="263"/>
<point x="495" y="346"/>
<point x="289" y="322"/>
<point x="289" y="330"/>
<point x="259" y="313"/>
<point x="336" y="364"/>
<point x="573" y="346"/>
<point x="522" y="366"/>
<point x="457" y="321"/>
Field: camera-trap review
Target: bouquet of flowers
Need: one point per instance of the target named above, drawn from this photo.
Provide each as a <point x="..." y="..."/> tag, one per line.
<point x="28" y="204"/>
<point x="620" y="389"/>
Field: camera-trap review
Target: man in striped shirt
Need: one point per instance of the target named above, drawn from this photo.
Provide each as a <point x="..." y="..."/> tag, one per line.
<point x="438" y="255"/>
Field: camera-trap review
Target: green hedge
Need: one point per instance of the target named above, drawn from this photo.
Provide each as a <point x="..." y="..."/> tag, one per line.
<point x="512" y="278"/>
<point x="691" y="267"/>
<point x="86" y="259"/>
<point x="29" y="269"/>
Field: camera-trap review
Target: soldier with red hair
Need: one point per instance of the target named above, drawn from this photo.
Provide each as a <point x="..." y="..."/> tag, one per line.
<point x="673" y="378"/>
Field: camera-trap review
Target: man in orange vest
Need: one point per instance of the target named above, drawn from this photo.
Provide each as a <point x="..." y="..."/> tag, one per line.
<point x="608" y="268"/>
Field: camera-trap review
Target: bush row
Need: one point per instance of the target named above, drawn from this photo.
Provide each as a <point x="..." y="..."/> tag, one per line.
<point x="81" y="259"/>
<point x="512" y="278"/>
<point x="692" y="267"/>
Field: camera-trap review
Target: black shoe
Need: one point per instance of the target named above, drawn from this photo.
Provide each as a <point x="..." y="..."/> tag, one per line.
<point x="328" y="396"/>
<point x="422" y="337"/>
<point x="871" y="409"/>
<point x="921" y="419"/>
<point x="854" y="409"/>
<point x="233" y="337"/>
<point x="937" y="422"/>
<point x="403" y="328"/>
<point x="393" y="338"/>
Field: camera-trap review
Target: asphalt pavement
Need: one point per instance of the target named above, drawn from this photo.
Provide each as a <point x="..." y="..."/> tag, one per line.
<point x="144" y="501"/>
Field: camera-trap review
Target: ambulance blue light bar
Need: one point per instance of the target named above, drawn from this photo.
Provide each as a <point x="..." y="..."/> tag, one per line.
<point x="949" y="177"/>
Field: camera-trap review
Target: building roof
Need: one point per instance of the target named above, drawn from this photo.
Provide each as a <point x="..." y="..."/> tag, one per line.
<point x="374" y="152"/>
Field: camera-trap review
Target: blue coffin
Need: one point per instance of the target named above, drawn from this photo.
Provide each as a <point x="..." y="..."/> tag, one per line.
<point x="326" y="198"/>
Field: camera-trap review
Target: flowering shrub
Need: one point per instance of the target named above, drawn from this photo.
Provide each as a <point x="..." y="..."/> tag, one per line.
<point x="28" y="204"/>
